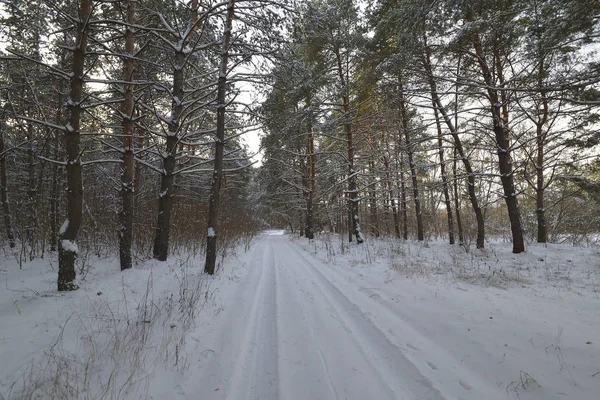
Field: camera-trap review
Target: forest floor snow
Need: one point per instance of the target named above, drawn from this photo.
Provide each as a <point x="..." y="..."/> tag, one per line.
<point x="292" y="319"/>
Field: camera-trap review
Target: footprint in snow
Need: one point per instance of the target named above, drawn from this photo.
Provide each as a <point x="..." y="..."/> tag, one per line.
<point x="465" y="385"/>
<point x="432" y="366"/>
<point x="412" y="346"/>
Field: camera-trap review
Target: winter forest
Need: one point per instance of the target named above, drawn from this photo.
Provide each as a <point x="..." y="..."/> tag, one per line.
<point x="187" y="187"/>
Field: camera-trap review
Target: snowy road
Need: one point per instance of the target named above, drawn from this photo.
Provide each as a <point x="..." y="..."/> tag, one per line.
<point x="293" y="320"/>
<point x="303" y="339"/>
<point x="294" y="332"/>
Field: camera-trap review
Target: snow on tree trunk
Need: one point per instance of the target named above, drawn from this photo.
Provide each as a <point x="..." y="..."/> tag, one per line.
<point x="67" y="247"/>
<point x="215" y="192"/>
<point x="127" y="179"/>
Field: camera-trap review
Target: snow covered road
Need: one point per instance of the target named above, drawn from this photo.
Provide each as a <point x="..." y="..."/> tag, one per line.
<point x="302" y="329"/>
<point x="297" y="336"/>
<point x="292" y="320"/>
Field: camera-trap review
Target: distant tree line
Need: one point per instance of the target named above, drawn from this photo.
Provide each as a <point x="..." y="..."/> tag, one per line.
<point x="450" y="118"/>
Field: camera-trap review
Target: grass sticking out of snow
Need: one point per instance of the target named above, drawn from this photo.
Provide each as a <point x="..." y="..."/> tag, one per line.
<point x="560" y="266"/>
<point x="118" y="334"/>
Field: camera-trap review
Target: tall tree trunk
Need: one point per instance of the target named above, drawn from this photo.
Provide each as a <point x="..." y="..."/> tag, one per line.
<point x="30" y="229"/>
<point x="499" y="113"/>
<point x="40" y="195"/>
<point x="127" y="179"/>
<point x="373" y="191"/>
<point x="373" y="199"/>
<point x="311" y="173"/>
<point x="10" y="234"/>
<point x="54" y="196"/>
<point x="388" y="182"/>
<point x="215" y="192"/>
<point x="540" y="140"/>
<point x="403" y="202"/>
<point x="438" y="107"/>
<point x="165" y="201"/>
<point x="67" y="250"/>
<point x="352" y="187"/>
<point x="411" y="162"/>
<point x="470" y="174"/>
<point x="301" y="183"/>
<point x="440" y="144"/>
<point x="444" y="179"/>
<point x="461" y="237"/>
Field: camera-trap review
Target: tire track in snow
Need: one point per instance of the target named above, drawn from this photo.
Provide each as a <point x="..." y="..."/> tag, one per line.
<point x="255" y="376"/>
<point x="321" y="358"/>
<point x="397" y="370"/>
<point x="407" y="335"/>
<point x="303" y="371"/>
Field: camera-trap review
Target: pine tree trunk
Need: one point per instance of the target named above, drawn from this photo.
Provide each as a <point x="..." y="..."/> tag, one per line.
<point x="388" y="181"/>
<point x="41" y="237"/>
<point x="444" y="178"/>
<point x="373" y="198"/>
<point x="440" y="143"/>
<point x="30" y="231"/>
<point x="54" y="197"/>
<point x="403" y="202"/>
<point x="311" y="172"/>
<point x="470" y="174"/>
<point x="411" y="162"/>
<point x="10" y="235"/>
<point x="542" y="230"/>
<point x="127" y="179"/>
<point x="438" y="107"/>
<point x="501" y="133"/>
<point x="353" y="217"/>
<point x="165" y="199"/>
<point x="461" y="237"/>
<point x="67" y="250"/>
<point x="215" y="192"/>
<point x="542" y="233"/>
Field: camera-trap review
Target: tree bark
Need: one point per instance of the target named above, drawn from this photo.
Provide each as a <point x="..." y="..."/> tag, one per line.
<point x="10" y="234"/>
<point x="440" y="145"/>
<point x="470" y="175"/>
<point x="388" y="181"/>
<point x="403" y="203"/>
<point x="352" y="187"/>
<point x="166" y="195"/>
<point x="311" y="174"/>
<point x="540" y="140"/>
<point x="444" y="179"/>
<point x="438" y="107"/>
<point x="411" y="162"/>
<point x="373" y="192"/>
<point x="55" y="195"/>
<point x="499" y="113"/>
<point x="67" y="250"/>
<point x="461" y="238"/>
<point x="30" y="229"/>
<point x="127" y="178"/>
<point x="215" y="192"/>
